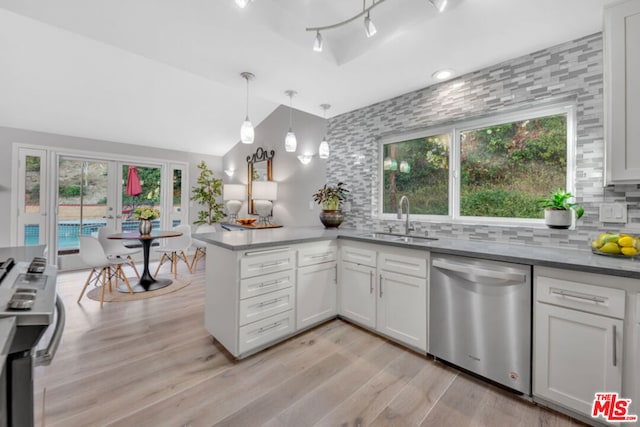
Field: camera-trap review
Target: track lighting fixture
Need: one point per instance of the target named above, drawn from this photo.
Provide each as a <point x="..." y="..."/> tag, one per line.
<point x="323" y="149"/>
<point x="246" y="130"/>
<point x="290" y="141"/>
<point x="370" y="29"/>
<point x="439" y="4"/>
<point x="317" y="45"/>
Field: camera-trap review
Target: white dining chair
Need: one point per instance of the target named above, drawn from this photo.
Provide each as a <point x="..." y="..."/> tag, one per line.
<point x="103" y="269"/>
<point x="176" y="249"/>
<point x="115" y="249"/>
<point x="199" y="245"/>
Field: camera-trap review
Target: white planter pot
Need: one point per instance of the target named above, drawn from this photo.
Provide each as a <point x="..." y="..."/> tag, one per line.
<point x="556" y="218"/>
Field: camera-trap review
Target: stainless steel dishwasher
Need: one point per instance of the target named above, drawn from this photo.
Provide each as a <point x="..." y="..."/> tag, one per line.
<point x="480" y="318"/>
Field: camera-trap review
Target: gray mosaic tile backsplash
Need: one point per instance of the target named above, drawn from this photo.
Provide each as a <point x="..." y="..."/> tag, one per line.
<point x="571" y="70"/>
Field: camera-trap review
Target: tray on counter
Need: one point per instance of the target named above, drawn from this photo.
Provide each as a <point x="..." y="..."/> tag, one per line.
<point x="597" y="252"/>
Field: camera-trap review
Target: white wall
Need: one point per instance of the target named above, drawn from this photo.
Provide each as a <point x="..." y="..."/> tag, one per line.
<point x="9" y="136"/>
<point x="296" y="182"/>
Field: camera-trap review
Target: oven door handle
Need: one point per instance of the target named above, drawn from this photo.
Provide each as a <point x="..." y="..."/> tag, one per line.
<point x="44" y="357"/>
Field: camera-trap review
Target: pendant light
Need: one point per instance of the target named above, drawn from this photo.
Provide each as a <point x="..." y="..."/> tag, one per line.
<point x="317" y="44"/>
<point x="242" y="3"/>
<point x="246" y="130"/>
<point x="323" y="149"/>
<point x="290" y="142"/>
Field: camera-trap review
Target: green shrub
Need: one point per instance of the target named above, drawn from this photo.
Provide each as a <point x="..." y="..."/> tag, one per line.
<point x="499" y="203"/>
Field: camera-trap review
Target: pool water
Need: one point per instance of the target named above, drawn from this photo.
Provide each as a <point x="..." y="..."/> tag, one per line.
<point x="68" y="231"/>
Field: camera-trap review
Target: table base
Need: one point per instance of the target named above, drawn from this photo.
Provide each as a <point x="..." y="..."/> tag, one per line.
<point x="157" y="284"/>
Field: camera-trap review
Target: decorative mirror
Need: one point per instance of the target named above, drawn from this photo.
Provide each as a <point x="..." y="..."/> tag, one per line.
<point x="259" y="169"/>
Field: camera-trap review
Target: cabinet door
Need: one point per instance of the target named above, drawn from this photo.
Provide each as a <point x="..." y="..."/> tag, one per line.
<point x="316" y="294"/>
<point x="576" y="355"/>
<point x="622" y="86"/>
<point x="358" y="293"/>
<point x="402" y="308"/>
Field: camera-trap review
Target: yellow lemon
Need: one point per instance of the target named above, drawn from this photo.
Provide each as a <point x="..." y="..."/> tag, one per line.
<point x="626" y="241"/>
<point x="629" y="251"/>
<point x="610" y="248"/>
<point x="596" y="244"/>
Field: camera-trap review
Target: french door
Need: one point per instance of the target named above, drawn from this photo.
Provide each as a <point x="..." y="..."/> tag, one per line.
<point x="61" y="195"/>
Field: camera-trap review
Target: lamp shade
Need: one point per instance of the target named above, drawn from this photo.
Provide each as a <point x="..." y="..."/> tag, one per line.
<point x="233" y="192"/>
<point x="264" y="190"/>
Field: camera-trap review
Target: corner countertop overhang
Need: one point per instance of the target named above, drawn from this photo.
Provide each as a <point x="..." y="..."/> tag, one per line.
<point x="566" y="258"/>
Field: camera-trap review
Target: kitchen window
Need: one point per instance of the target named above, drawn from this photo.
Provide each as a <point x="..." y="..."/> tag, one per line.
<point x="488" y="170"/>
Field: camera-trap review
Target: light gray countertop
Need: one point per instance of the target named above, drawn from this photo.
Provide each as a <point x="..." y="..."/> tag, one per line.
<point x="581" y="260"/>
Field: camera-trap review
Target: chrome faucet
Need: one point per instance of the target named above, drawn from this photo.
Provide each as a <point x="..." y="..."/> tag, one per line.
<point x="407" y="225"/>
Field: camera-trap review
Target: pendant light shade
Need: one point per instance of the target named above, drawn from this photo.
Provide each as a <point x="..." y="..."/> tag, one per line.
<point x="323" y="148"/>
<point x="290" y="141"/>
<point x="247" y="133"/>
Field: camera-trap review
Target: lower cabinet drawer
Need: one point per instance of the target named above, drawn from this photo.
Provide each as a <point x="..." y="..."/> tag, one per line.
<point x="257" y="308"/>
<point x="259" y="285"/>
<point x="266" y="330"/>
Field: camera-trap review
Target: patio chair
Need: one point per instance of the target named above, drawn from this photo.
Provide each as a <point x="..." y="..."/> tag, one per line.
<point x="199" y="245"/>
<point x="176" y="249"/>
<point x="103" y="269"/>
<point x="115" y="249"/>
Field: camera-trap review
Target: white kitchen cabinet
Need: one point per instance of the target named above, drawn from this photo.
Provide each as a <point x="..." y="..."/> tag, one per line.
<point x="316" y="294"/>
<point x="250" y="297"/>
<point x="402" y="296"/>
<point x="578" y="337"/>
<point x="357" y="293"/>
<point x="622" y="92"/>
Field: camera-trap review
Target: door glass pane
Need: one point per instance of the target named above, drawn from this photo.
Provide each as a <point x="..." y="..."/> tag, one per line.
<point x="31" y="234"/>
<point x="146" y="192"/>
<point x="418" y="169"/>
<point x="506" y="168"/>
<point x="82" y="200"/>
<point x="177" y="194"/>
<point x="32" y="184"/>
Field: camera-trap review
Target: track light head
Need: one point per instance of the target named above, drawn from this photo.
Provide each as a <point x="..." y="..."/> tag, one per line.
<point x="440" y="5"/>
<point x="317" y="45"/>
<point x="369" y="28"/>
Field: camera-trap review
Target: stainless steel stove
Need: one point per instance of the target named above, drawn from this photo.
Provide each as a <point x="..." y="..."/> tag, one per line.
<point x="28" y="296"/>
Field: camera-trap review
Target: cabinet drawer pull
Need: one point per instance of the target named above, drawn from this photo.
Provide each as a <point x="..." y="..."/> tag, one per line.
<point x="266" y="328"/>
<point x="615" y="350"/>
<point x="577" y="295"/>
<point x="320" y="256"/>
<point x="273" y="301"/>
<point x="271" y="283"/>
<point x="272" y="264"/>
<point x="266" y="251"/>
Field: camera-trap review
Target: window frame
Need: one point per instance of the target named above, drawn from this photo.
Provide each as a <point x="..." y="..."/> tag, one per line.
<point x="454" y="129"/>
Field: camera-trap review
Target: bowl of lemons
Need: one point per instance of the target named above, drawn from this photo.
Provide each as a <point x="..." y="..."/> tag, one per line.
<point x="616" y="244"/>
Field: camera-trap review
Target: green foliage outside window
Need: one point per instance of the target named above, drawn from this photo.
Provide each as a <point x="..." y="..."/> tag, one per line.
<point x="504" y="169"/>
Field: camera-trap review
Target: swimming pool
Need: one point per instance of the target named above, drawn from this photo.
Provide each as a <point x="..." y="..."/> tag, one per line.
<point x="68" y="231"/>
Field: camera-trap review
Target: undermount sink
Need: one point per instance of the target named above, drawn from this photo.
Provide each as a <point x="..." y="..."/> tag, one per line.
<point x="391" y="237"/>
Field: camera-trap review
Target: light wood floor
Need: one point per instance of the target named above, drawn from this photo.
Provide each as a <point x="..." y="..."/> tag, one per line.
<point x="152" y="363"/>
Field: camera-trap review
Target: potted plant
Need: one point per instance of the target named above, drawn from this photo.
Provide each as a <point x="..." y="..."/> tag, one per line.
<point x="205" y="192"/>
<point x="330" y="198"/>
<point x="145" y="214"/>
<point x="558" y="209"/>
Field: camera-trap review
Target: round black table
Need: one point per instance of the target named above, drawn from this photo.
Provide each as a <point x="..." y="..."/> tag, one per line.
<point x="147" y="282"/>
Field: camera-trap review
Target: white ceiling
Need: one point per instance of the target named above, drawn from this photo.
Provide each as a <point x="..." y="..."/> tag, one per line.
<point x="166" y="73"/>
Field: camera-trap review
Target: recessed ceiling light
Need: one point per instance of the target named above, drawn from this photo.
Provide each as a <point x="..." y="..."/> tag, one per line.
<point x="442" y="74"/>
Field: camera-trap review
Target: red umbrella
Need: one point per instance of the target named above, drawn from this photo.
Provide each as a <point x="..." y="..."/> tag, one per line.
<point x="133" y="182"/>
